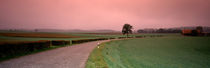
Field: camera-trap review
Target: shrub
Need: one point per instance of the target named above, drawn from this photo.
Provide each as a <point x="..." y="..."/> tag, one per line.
<point x="111" y="38"/>
<point x="60" y="42"/>
<point x="139" y="36"/>
<point x="121" y="37"/>
<point x="87" y="40"/>
<point x="9" y="49"/>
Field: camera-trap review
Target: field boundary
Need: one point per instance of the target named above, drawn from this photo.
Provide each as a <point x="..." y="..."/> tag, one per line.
<point x="96" y="58"/>
<point x="14" y="50"/>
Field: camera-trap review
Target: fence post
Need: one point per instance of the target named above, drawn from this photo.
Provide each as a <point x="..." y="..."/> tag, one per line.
<point x="70" y="42"/>
<point x="50" y="43"/>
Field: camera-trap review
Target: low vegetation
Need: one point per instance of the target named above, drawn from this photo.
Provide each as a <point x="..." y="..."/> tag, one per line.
<point x="96" y="59"/>
<point x="20" y="48"/>
<point x="153" y="52"/>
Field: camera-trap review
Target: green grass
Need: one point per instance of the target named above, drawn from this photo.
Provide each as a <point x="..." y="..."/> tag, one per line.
<point x="162" y="52"/>
<point x="97" y="56"/>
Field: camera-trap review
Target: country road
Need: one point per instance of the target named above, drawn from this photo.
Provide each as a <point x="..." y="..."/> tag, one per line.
<point x="65" y="57"/>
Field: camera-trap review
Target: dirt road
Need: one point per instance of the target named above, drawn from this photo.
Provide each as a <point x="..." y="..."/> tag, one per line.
<point x="66" y="57"/>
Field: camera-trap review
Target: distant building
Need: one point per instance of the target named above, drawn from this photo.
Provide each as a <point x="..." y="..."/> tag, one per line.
<point x="186" y="31"/>
<point x="196" y="32"/>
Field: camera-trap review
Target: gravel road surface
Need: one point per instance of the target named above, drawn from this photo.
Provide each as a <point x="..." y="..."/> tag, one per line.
<point x="65" y="57"/>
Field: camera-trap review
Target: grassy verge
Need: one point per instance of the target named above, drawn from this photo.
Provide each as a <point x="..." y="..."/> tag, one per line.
<point x="96" y="58"/>
<point x="161" y="52"/>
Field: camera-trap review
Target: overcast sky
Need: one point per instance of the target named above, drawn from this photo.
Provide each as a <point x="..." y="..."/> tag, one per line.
<point x="102" y="14"/>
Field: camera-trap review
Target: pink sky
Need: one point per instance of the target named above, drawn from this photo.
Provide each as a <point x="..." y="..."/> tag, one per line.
<point x="102" y="14"/>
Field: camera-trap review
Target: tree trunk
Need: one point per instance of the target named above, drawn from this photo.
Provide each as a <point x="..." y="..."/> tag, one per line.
<point x="127" y="35"/>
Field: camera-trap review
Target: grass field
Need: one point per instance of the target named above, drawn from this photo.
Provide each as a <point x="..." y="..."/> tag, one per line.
<point x="162" y="52"/>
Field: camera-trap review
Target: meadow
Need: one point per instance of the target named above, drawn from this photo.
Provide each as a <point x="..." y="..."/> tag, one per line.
<point x="169" y="51"/>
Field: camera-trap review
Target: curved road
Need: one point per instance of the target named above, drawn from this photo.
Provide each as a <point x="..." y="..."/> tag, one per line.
<point x="65" y="57"/>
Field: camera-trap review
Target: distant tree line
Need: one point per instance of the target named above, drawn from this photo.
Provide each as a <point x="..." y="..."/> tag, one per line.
<point x="161" y="30"/>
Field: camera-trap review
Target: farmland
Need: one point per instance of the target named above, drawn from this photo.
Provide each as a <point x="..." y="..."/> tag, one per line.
<point x="144" y="51"/>
<point x="15" y="44"/>
<point x="170" y="51"/>
<point x="38" y="35"/>
<point x="23" y="43"/>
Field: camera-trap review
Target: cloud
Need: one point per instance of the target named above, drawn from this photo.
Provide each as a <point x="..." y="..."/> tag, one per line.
<point x="103" y="14"/>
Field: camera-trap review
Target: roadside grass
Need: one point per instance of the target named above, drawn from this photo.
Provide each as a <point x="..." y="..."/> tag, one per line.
<point x="96" y="59"/>
<point x="159" y="52"/>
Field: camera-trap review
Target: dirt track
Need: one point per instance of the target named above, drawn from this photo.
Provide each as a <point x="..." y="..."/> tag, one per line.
<point x="65" y="57"/>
